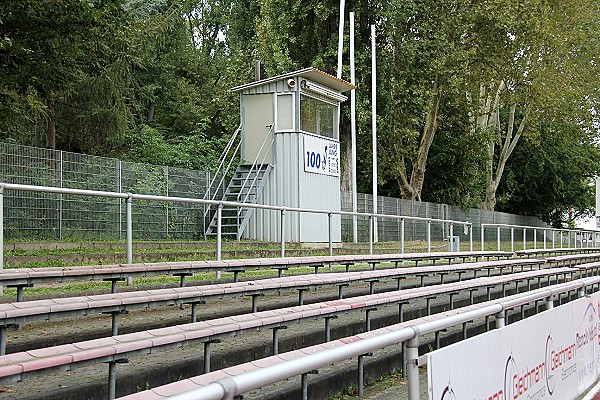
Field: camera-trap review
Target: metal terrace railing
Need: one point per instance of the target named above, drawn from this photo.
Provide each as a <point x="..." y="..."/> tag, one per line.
<point x="587" y="238"/>
<point x="129" y="197"/>
<point x="408" y="334"/>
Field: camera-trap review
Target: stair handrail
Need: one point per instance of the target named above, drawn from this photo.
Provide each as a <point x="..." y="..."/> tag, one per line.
<point x="254" y="164"/>
<point x="222" y="160"/>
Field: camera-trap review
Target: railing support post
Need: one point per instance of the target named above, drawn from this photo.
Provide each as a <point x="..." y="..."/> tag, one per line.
<point x="129" y="228"/>
<point x="219" y="230"/>
<point x="428" y="236"/>
<point x="512" y="239"/>
<point x="471" y="237"/>
<point x="371" y="222"/>
<point x="402" y="236"/>
<point x="330" y="232"/>
<point x="500" y="320"/>
<point x="412" y="368"/>
<point x="498" y="236"/>
<point x="1" y="233"/>
<point x="283" y="233"/>
<point x="112" y="380"/>
<point x="482" y="237"/>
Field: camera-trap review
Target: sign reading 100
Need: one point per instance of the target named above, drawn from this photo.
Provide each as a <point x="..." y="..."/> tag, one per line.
<point x="313" y="160"/>
<point x="321" y="155"/>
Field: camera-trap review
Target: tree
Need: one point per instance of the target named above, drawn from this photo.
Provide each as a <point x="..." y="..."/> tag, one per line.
<point x="526" y="66"/>
<point x="548" y="177"/>
<point x="47" y="46"/>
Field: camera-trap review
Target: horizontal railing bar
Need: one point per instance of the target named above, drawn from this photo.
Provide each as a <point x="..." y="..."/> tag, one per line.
<point x="133" y="196"/>
<point x="243" y="383"/>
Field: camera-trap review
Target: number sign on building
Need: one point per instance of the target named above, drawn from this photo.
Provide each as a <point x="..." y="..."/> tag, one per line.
<point x="321" y="156"/>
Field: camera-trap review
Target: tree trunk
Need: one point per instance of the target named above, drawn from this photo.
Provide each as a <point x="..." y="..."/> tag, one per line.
<point x="489" y="120"/>
<point x="51" y="126"/>
<point x="417" y="177"/>
<point x="346" y="157"/>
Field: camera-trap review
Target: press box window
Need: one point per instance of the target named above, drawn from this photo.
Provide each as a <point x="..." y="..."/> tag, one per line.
<point x="318" y="117"/>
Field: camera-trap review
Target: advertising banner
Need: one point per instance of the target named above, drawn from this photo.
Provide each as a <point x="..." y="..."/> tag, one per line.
<point x="321" y="155"/>
<point x="553" y="355"/>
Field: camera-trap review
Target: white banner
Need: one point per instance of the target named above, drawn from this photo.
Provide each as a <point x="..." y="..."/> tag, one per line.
<point x="553" y="355"/>
<point x="321" y="155"/>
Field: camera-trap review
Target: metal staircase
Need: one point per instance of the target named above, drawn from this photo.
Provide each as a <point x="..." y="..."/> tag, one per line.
<point x="245" y="187"/>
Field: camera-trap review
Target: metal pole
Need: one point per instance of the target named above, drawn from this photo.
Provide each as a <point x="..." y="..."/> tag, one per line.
<point x="402" y="236"/>
<point x="166" y="172"/>
<point x="534" y="238"/>
<point x="112" y="379"/>
<point x="361" y="375"/>
<point x="374" y="124"/>
<point x="498" y="236"/>
<point x="1" y="233"/>
<point x="451" y="233"/>
<point x="60" y="196"/>
<point x="429" y="236"/>
<point x="219" y="233"/>
<point x="129" y="228"/>
<point x="370" y="234"/>
<point x="207" y="357"/>
<point x="512" y="239"/>
<point x="283" y="233"/>
<point x="471" y="237"/>
<point x="545" y="237"/>
<point x="524" y="238"/>
<point x="119" y="189"/>
<point x="329" y="234"/>
<point x="412" y="368"/>
<point x="500" y="320"/>
<point x="353" y="131"/>
<point x="340" y="39"/>
<point x="482" y="237"/>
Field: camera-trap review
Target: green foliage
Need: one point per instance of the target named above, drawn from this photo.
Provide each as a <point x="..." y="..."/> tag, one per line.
<point x="149" y="81"/>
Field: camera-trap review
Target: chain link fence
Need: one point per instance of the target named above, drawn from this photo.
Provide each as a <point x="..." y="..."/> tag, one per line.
<point x="30" y="215"/>
<point x="391" y="229"/>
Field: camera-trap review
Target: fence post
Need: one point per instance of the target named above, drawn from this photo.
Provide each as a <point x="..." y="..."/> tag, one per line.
<point x="283" y="233"/>
<point x="129" y="228"/>
<point x="535" y="238"/>
<point x="524" y="238"/>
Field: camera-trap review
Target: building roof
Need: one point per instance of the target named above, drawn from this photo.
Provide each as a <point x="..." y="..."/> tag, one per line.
<point x="311" y="73"/>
